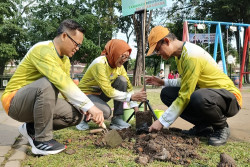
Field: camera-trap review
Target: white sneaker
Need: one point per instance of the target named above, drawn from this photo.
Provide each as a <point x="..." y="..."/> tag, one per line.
<point x="118" y="123"/>
<point x="40" y="148"/>
<point x="82" y="126"/>
<point x="24" y="131"/>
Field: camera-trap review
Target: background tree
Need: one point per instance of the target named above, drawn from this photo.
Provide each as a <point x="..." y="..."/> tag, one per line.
<point x="12" y="34"/>
<point x="139" y="57"/>
<point x="46" y="17"/>
<point x="153" y="63"/>
<point x="107" y="18"/>
<point x="125" y="25"/>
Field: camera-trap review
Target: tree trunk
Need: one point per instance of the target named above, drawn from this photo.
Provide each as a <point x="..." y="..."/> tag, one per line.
<point x="138" y="66"/>
<point x="139" y="57"/>
<point x="2" y="65"/>
<point x="156" y="63"/>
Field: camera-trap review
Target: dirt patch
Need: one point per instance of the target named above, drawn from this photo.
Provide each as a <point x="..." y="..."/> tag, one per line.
<point x="226" y="160"/>
<point x="166" y="145"/>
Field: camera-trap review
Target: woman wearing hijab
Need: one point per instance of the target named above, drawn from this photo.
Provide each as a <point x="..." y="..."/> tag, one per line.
<point x="105" y="79"/>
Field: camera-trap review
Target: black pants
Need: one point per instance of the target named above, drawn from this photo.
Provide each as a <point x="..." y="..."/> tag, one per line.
<point x="206" y="106"/>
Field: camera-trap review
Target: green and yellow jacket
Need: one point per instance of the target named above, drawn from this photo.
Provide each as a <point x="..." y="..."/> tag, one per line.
<point x="197" y="69"/>
<point x="42" y="60"/>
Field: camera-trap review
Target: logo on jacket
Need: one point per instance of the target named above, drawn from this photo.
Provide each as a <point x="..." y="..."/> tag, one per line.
<point x="111" y="75"/>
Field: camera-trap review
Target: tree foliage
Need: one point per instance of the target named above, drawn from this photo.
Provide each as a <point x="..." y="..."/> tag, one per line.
<point x="46" y="17"/>
<point x="12" y="34"/>
<point x="41" y="18"/>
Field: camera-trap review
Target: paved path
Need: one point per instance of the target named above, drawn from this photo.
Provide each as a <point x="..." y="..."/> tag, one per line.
<point x="13" y="146"/>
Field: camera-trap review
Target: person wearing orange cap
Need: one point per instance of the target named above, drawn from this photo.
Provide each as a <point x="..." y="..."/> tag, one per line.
<point x="105" y="79"/>
<point x="203" y="95"/>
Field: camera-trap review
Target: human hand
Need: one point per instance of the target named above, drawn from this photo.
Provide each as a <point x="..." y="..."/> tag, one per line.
<point x="96" y="115"/>
<point x="152" y="80"/>
<point x="136" y="109"/>
<point x="139" y="96"/>
<point x="87" y="116"/>
<point x="156" y="126"/>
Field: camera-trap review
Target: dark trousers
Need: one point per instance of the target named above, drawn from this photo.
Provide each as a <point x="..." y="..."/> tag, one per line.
<point x="206" y="106"/>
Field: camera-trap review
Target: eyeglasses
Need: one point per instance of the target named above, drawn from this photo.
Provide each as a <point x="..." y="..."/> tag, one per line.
<point x="76" y="44"/>
<point x="156" y="51"/>
<point x="125" y="57"/>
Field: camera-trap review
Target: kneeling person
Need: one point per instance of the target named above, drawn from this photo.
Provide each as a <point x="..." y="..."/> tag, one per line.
<point x="105" y="79"/>
<point x="31" y="95"/>
<point x="203" y="96"/>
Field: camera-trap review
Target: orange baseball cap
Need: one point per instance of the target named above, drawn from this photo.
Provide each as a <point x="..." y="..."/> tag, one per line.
<point x="156" y="34"/>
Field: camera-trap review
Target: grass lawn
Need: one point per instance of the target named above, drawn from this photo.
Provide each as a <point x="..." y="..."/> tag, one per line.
<point x="87" y="154"/>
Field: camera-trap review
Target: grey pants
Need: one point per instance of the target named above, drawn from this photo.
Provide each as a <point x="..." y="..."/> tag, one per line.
<point x="38" y="103"/>
<point x="101" y="100"/>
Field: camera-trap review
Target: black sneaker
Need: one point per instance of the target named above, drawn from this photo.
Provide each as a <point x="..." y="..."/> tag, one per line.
<point x="199" y="130"/>
<point x="27" y="130"/>
<point x="47" y="147"/>
<point x="40" y="148"/>
<point x="219" y="137"/>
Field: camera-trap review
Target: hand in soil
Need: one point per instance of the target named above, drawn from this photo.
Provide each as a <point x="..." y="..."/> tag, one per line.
<point x="156" y="126"/>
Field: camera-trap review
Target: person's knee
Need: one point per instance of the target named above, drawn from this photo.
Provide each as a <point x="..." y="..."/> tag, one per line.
<point x="164" y="92"/>
<point x="168" y="95"/>
<point x="120" y="83"/>
<point x="46" y="85"/>
<point x="121" y="79"/>
<point x="198" y="100"/>
<point x="106" y="111"/>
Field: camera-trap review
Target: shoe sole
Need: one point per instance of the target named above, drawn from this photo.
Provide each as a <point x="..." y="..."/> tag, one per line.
<point x="41" y="152"/>
<point x="23" y="130"/>
<point x="216" y="144"/>
<point x="115" y="127"/>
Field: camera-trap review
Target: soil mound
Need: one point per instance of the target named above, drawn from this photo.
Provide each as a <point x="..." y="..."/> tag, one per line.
<point x="166" y="145"/>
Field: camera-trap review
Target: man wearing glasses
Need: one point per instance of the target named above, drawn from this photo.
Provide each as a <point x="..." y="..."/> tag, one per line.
<point x="203" y="96"/>
<point x="31" y="96"/>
